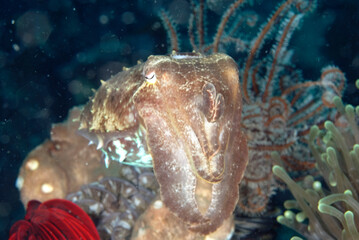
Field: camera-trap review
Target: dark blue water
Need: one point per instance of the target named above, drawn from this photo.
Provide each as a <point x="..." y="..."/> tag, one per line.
<point x="53" y="52"/>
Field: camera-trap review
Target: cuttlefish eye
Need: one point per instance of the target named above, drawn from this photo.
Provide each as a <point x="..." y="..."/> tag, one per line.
<point x="151" y="77"/>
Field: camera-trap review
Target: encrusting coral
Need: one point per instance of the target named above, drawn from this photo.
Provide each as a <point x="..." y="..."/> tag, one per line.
<point x="60" y="165"/>
<point x="332" y="211"/>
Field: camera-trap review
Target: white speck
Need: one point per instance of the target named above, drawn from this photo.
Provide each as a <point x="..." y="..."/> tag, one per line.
<point x="144" y="180"/>
<point x="100" y="143"/>
<point x="125" y="225"/>
<point x="19" y="182"/>
<point x="130" y="117"/>
<point x="120" y="151"/>
<point x="16" y="47"/>
<point x="47" y="188"/>
<point x="158" y="204"/>
<point x="94" y="207"/>
<point x="32" y="164"/>
<point x="103" y="19"/>
<point x="128" y="190"/>
<point x="137" y="201"/>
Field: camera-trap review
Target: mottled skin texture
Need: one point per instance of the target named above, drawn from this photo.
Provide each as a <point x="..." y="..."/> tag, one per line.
<point x="190" y="110"/>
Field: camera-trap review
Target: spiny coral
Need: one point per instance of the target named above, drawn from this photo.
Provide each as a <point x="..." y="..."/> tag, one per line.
<point x="115" y="203"/>
<point x="332" y="211"/>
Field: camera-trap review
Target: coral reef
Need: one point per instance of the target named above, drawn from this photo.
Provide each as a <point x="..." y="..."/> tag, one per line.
<point x="60" y="165"/>
<point x="183" y="112"/>
<point x="332" y="209"/>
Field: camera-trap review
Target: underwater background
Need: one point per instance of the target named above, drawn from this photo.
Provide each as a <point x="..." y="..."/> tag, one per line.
<point x="52" y="53"/>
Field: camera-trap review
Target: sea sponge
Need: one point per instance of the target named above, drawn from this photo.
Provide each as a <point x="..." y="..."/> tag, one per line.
<point x="60" y="165"/>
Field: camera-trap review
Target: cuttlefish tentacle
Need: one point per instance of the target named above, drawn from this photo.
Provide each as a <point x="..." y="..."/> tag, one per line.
<point x="189" y="110"/>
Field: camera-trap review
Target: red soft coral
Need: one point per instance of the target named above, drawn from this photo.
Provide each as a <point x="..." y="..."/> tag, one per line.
<point x="54" y="219"/>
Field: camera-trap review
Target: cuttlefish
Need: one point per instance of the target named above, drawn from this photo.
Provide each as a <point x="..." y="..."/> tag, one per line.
<point x="182" y="114"/>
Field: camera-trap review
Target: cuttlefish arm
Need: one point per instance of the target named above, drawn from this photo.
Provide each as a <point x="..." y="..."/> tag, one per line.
<point x="189" y="107"/>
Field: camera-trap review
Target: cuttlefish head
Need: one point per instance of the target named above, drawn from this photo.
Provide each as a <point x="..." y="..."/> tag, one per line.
<point x="182" y="112"/>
